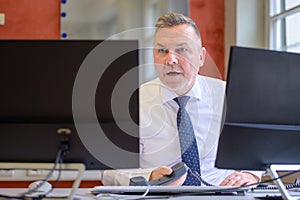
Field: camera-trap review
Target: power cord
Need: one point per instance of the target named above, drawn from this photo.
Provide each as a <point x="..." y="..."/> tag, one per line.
<point x="63" y="150"/>
<point x="296" y="184"/>
<point x="289" y="186"/>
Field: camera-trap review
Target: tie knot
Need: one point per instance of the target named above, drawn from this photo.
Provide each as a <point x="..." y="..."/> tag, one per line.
<point x="182" y="101"/>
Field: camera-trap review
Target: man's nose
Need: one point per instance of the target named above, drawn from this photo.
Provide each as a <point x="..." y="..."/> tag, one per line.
<point x="172" y="58"/>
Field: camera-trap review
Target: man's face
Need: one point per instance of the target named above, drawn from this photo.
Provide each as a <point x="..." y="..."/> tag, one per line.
<point x="178" y="56"/>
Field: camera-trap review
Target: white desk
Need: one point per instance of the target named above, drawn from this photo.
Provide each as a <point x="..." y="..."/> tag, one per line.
<point x="84" y="194"/>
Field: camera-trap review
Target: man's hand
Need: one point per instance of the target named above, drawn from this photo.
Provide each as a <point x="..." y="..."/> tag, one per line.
<point x="161" y="171"/>
<point x="240" y="179"/>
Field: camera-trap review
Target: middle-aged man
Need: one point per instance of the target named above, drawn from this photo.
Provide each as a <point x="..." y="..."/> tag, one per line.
<point x="180" y="112"/>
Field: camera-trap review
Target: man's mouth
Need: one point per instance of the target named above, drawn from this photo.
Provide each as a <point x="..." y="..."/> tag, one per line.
<point x="173" y="73"/>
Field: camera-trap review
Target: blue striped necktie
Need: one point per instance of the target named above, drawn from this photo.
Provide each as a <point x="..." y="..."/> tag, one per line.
<point x="188" y="144"/>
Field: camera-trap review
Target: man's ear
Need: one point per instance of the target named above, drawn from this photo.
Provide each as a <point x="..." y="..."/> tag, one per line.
<point x="202" y="56"/>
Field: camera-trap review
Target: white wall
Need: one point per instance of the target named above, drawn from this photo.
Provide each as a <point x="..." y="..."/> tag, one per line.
<point x="244" y="24"/>
<point x="251" y="23"/>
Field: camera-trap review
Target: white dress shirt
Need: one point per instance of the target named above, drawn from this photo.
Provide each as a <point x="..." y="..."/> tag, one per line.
<point x="159" y="142"/>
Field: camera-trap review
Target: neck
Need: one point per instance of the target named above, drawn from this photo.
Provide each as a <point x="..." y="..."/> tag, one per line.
<point x="185" y="90"/>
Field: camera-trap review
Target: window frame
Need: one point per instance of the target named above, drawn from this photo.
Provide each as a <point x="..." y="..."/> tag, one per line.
<point x="278" y="40"/>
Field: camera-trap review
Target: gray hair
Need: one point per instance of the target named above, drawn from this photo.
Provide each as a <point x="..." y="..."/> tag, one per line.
<point x="175" y="19"/>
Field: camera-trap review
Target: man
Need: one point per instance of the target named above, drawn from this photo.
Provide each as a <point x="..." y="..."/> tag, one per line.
<point x="178" y="55"/>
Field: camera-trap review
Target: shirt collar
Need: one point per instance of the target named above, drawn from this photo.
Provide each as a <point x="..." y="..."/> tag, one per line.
<point x="195" y="92"/>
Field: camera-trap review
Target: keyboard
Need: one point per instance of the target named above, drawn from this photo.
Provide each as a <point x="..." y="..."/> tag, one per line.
<point x="168" y="189"/>
<point x="272" y="192"/>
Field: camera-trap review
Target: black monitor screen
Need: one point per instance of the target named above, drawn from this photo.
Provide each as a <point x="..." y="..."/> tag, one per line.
<point x="37" y="85"/>
<point x="262" y="110"/>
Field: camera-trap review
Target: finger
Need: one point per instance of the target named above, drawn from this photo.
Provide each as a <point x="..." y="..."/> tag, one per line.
<point x="165" y="170"/>
<point x="159" y="172"/>
<point x="237" y="182"/>
<point x="238" y="179"/>
<point x="226" y="181"/>
<point x="232" y="180"/>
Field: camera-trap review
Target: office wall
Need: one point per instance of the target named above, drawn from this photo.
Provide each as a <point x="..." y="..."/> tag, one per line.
<point x="245" y="25"/>
<point x="252" y="33"/>
<point x="210" y="18"/>
<point x="30" y="19"/>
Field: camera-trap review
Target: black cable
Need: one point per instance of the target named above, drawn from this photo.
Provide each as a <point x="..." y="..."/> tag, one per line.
<point x="62" y="151"/>
<point x="58" y="176"/>
<point x="244" y="186"/>
<point x="282" y="176"/>
<point x="261" y="182"/>
<point x="58" y="156"/>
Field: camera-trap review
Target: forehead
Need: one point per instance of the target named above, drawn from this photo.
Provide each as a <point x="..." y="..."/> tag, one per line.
<point x="181" y="34"/>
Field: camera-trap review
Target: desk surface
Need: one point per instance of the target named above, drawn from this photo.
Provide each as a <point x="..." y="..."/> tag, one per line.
<point x="85" y="194"/>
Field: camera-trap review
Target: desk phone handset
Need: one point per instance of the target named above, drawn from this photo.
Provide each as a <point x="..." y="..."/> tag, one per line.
<point x="178" y="170"/>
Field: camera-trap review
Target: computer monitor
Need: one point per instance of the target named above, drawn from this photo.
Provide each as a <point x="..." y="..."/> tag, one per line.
<point x="37" y="79"/>
<point x="262" y="110"/>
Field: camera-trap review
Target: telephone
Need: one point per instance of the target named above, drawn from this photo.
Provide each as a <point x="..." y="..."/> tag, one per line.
<point x="179" y="169"/>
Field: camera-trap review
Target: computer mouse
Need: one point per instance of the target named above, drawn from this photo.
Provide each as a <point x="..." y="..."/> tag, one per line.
<point x="39" y="187"/>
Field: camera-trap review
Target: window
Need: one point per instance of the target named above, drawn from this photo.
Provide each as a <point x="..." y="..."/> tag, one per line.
<point x="284" y="16"/>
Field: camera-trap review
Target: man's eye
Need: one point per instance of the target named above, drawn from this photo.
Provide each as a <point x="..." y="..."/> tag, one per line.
<point x="162" y="51"/>
<point x="181" y="50"/>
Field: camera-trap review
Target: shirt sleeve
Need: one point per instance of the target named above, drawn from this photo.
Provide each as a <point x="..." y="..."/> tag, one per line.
<point x="121" y="177"/>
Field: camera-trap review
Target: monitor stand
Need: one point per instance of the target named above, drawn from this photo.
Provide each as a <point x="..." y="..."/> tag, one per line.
<point x="272" y="169"/>
<point x="49" y="166"/>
